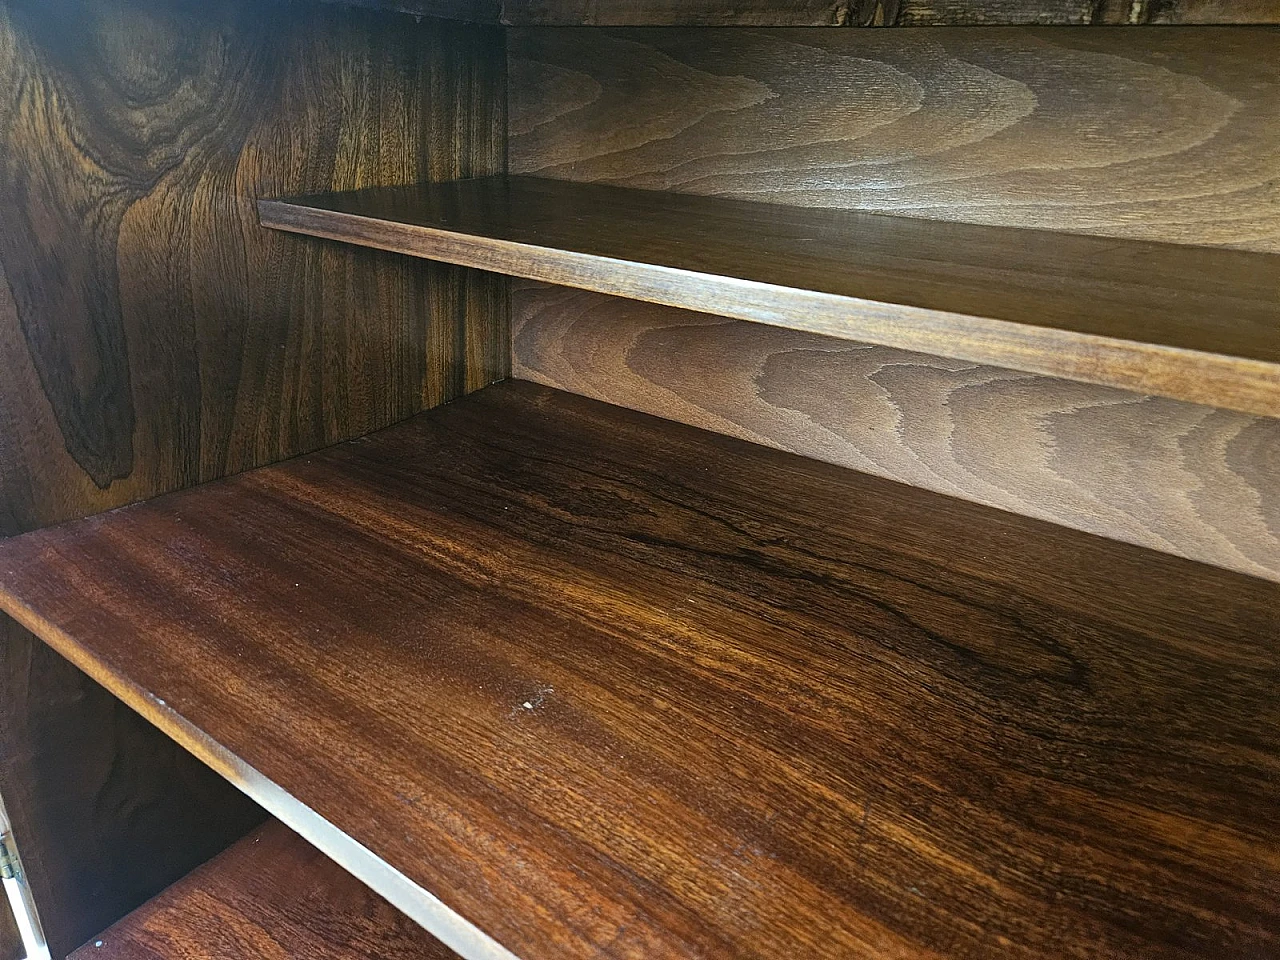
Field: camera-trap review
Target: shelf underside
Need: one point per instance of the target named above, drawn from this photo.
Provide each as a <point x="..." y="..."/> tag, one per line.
<point x="272" y="895"/>
<point x="606" y="685"/>
<point x="1193" y="323"/>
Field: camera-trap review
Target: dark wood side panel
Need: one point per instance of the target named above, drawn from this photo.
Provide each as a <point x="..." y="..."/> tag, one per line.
<point x="1158" y="134"/>
<point x="272" y="895"/>
<point x="879" y="13"/>
<point x="152" y="336"/>
<point x="1191" y="480"/>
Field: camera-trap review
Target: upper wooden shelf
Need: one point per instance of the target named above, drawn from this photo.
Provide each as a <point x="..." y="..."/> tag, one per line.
<point x="602" y="685"/>
<point x="272" y="895"/>
<point x="1194" y="323"/>
<point x="839" y="13"/>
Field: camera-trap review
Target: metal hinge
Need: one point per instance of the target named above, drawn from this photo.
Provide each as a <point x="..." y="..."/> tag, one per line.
<point x="8" y="857"/>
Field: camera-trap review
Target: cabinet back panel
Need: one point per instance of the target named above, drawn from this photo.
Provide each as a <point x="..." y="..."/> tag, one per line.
<point x="1189" y="480"/>
<point x="1162" y="134"/>
<point x="1168" y="135"/>
<point x="152" y="336"/>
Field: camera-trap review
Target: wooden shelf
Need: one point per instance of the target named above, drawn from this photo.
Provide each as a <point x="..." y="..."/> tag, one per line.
<point x="598" y="684"/>
<point x="270" y="895"/>
<point x="1197" y="324"/>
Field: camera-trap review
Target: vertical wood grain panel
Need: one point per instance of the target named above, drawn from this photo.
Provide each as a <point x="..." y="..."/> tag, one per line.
<point x="1189" y="480"/>
<point x="152" y="336"/>
<point x="1166" y="135"/>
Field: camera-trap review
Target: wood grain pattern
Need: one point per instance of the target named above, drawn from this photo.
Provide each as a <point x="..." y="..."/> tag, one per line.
<point x="272" y="895"/>
<point x="1186" y="479"/>
<point x="1198" y="324"/>
<point x="609" y="685"/>
<point x="1167" y="135"/>
<point x="208" y="345"/>
<point x="153" y="336"/>
<point x="882" y="13"/>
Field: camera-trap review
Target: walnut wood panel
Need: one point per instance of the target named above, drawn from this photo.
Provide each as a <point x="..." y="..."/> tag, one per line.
<point x="1191" y="480"/>
<point x="1155" y="134"/>
<point x="612" y="686"/>
<point x="272" y="895"/>
<point x="153" y="336"/>
<point x="1198" y="324"/>
<point x="882" y="13"/>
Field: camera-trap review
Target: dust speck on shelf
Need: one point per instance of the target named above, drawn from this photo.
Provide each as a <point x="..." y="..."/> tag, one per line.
<point x="536" y="702"/>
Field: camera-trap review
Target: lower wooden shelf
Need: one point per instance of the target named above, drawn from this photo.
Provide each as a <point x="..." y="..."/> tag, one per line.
<point x="272" y="895"/>
<point x="562" y="680"/>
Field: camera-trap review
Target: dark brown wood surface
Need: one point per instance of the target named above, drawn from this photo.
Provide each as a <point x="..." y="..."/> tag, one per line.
<point x="611" y="686"/>
<point x="108" y="811"/>
<point x="272" y="895"/>
<point x="153" y="336"/>
<point x="1195" y="481"/>
<point x="838" y="13"/>
<point x="1169" y="135"/>
<point x="1199" y="324"/>
<point x="11" y="946"/>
